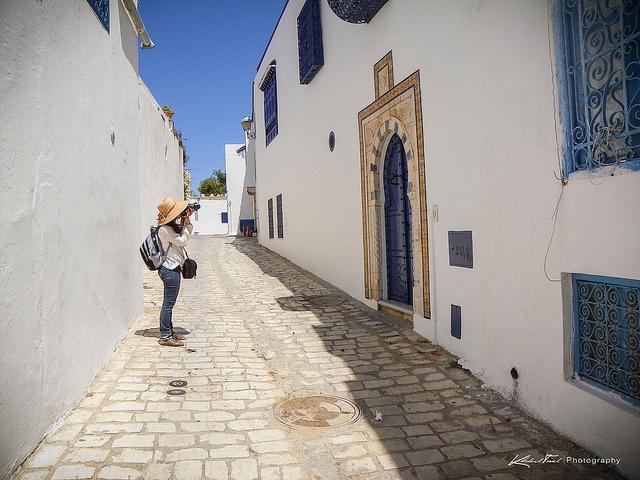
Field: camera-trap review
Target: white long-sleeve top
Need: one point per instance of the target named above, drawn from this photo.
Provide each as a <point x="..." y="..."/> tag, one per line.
<point x="177" y="242"/>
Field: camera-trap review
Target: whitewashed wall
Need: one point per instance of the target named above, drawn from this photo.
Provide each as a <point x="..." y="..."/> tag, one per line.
<point x="159" y="159"/>
<point x="208" y="220"/>
<point x="490" y="158"/>
<point x="240" y="202"/>
<point x="250" y="174"/>
<point x="75" y="206"/>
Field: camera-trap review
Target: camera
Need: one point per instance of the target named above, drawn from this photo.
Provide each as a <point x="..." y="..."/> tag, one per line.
<point x="194" y="205"/>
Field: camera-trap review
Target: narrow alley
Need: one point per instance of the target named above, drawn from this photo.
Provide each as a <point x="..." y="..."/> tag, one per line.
<point x="287" y="378"/>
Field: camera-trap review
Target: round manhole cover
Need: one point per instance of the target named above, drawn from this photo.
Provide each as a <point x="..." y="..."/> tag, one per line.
<point x="317" y="411"/>
<point x="176" y="391"/>
<point x="326" y="300"/>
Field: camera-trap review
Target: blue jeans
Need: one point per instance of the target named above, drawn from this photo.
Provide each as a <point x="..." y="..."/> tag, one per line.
<point x="171" y="280"/>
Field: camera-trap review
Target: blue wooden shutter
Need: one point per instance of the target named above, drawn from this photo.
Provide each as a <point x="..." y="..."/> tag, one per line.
<point x="280" y="221"/>
<point x="270" y="203"/>
<point x="270" y="91"/>
<point x="101" y="9"/>
<point x="310" y="52"/>
<point x="224" y="217"/>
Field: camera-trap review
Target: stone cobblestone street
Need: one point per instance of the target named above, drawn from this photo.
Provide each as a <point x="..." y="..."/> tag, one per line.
<point x="261" y="330"/>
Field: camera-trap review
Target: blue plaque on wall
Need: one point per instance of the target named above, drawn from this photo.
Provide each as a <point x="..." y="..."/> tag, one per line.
<point x="456" y="321"/>
<point x="461" y="249"/>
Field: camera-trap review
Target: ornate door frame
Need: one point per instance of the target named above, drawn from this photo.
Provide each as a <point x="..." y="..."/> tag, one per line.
<point x="397" y="110"/>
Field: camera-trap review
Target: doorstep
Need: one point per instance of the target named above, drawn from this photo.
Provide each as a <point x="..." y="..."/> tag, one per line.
<point x="397" y="310"/>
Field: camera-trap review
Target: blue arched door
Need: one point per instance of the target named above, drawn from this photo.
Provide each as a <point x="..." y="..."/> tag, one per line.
<point x="397" y="219"/>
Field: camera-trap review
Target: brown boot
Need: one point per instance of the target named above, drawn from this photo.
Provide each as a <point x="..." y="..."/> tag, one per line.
<point x="171" y="342"/>
<point x="177" y="336"/>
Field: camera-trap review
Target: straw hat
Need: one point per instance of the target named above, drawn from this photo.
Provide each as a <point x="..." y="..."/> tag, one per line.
<point x="169" y="209"/>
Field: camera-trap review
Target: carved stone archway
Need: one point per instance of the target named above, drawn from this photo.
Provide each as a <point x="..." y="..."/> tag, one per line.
<point x="398" y="111"/>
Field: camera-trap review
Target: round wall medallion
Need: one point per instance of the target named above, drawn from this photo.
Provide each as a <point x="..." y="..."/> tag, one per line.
<point x="317" y="411"/>
<point x="332" y="141"/>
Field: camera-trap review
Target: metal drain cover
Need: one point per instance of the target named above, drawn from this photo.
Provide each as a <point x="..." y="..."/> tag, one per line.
<point x="317" y="411"/>
<point x="176" y="391"/>
<point x="178" y="383"/>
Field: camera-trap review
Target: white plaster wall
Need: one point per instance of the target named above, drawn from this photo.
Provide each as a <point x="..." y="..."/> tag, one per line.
<point x="209" y="218"/>
<point x="490" y="147"/>
<point x="251" y="174"/>
<point x="74" y="206"/>
<point x="240" y="202"/>
<point x="159" y="159"/>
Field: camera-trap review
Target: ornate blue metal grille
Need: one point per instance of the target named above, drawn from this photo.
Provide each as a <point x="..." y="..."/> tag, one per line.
<point x="101" y="9"/>
<point x="607" y="335"/>
<point x="224" y="217"/>
<point x="280" y="219"/>
<point x="601" y="83"/>
<point x="310" y="53"/>
<point x="270" y="91"/>
<point x="356" y="11"/>
<point x="270" y="207"/>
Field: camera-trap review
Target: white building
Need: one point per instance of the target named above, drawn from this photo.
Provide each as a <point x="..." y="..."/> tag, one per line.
<point x="415" y="162"/>
<point x="86" y="155"/>
<point x="240" y="182"/>
<point x="212" y="217"/>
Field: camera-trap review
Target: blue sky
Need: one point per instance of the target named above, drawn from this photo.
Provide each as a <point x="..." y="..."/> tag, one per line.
<point x="203" y="64"/>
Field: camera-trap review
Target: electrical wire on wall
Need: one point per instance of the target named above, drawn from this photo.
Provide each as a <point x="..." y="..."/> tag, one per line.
<point x="604" y="142"/>
<point x="604" y="146"/>
<point x="559" y="177"/>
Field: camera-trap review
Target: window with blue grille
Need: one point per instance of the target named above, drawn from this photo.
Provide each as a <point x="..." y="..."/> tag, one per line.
<point x="101" y="9"/>
<point x="268" y="87"/>
<point x="606" y="314"/>
<point x="599" y="75"/>
<point x="310" y="52"/>
<point x="280" y="219"/>
<point x="224" y="217"/>
<point x="270" y="207"/>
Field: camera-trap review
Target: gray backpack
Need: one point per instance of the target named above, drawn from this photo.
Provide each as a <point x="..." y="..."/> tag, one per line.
<point x="152" y="252"/>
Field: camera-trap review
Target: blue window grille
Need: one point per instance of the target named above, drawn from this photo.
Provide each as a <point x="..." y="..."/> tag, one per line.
<point x="101" y="9"/>
<point x="599" y="75"/>
<point x="310" y="52"/>
<point x="280" y="220"/>
<point x="268" y="87"/>
<point x="270" y="206"/>
<point x="224" y="217"/>
<point x="606" y="333"/>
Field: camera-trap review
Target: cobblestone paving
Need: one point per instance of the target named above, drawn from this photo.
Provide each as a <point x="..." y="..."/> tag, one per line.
<point x="261" y="330"/>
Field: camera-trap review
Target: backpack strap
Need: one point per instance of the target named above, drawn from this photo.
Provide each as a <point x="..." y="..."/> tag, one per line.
<point x="166" y="252"/>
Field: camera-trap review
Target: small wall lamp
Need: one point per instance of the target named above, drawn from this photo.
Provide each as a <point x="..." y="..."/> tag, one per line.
<point x="247" y="123"/>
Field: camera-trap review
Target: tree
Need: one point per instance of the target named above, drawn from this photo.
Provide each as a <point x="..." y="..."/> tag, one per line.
<point x="216" y="184"/>
<point x="186" y="173"/>
<point x="221" y="176"/>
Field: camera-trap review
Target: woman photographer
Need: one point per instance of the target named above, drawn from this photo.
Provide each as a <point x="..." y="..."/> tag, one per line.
<point x="175" y="229"/>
